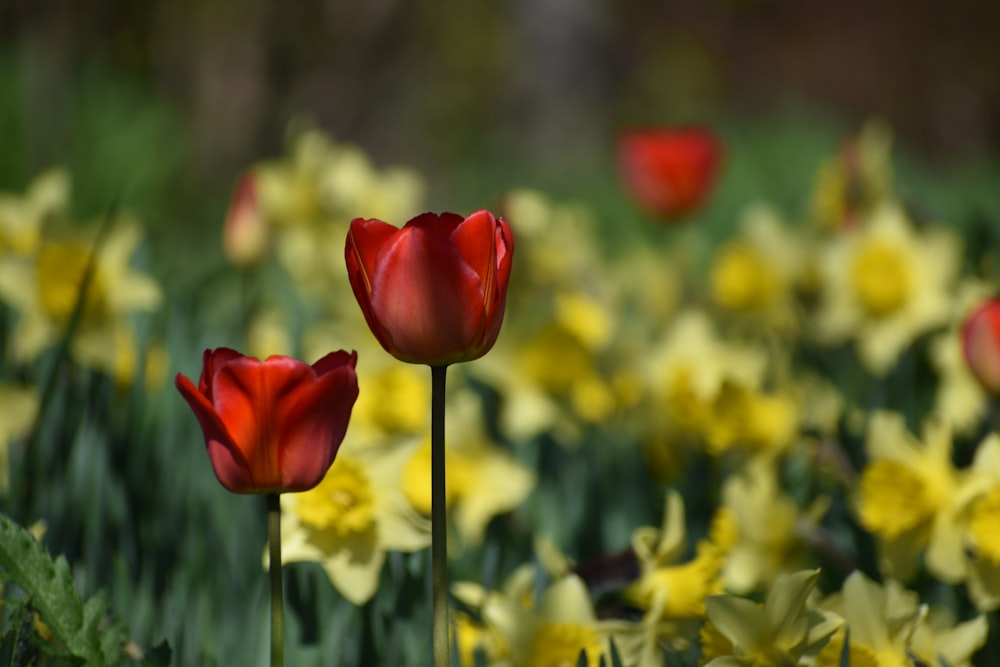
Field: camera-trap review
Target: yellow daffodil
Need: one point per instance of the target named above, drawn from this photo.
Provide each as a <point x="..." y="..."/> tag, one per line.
<point x="671" y="593"/>
<point x="44" y="288"/>
<point x="758" y="421"/>
<point x="754" y="275"/>
<point x="23" y="217"/>
<point x="887" y="626"/>
<point x="959" y="400"/>
<point x="704" y="392"/>
<point x="494" y="623"/>
<point x="563" y="627"/>
<point x="884" y="285"/>
<point x="939" y="641"/>
<point x="907" y="498"/>
<point x="551" y="380"/>
<point x="979" y="503"/>
<point x="352" y="518"/>
<point x="781" y="632"/>
<point x="483" y="480"/>
<point x="310" y="197"/>
<point x="766" y="522"/>
<point x="677" y="588"/>
<point x="555" y="241"/>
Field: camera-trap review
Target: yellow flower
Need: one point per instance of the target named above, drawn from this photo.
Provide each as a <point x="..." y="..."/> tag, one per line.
<point x="557" y="632"/>
<point x="551" y="380"/>
<point x="761" y="422"/>
<point x="483" y="480"/>
<point x="907" y="498"/>
<point x="476" y="637"/>
<point x="687" y="371"/>
<point x="889" y="627"/>
<point x="960" y="400"/>
<point x="754" y="275"/>
<point x="781" y="632"/>
<point x="880" y="622"/>
<point x="563" y="628"/>
<point x="44" y="288"/>
<point x="352" y="518"/>
<point x="979" y="511"/>
<point x="22" y="219"/>
<point x="938" y="640"/>
<point x="310" y="196"/>
<point x="671" y="591"/>
<point x="396" y="400"/>
<point x="884" y="285"/>
<point x="766" y="522"/>
<point x="555" y="241"/>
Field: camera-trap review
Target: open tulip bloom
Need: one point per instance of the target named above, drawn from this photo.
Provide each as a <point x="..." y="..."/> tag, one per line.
<point x="433" y="292"/>
<point x="272" y="426"/>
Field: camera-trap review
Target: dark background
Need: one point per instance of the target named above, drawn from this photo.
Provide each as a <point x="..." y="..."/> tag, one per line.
<point x="550" y="80"/>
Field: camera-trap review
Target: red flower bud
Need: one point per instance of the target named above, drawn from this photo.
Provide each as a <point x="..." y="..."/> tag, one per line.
<point x="669" y="172"/>
<point x="272" y="426"/>
<point x="245" y="235"/>
<point x="981" y="344"/>
<point x="434" y="291"/>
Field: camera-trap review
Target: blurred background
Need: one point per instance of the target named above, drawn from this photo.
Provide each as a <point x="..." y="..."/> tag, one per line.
<point x="171" y="99"/>
<point x="161" y="105"/>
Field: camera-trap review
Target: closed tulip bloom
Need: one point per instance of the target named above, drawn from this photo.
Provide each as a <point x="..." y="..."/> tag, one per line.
<point x="245" y="236"/>
<point x="981" y="344"/>
<point x="272" y="426"/>
<point x="434" y="291"/>
<point x="669" y="172"/>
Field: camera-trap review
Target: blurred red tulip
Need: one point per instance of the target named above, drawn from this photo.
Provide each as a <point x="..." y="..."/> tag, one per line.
<point x="434" y="291"/>
<point x="981" y="344"/>
<point x="669" y="172"/>
<point x="272" y="426"/>
<point x="245" y="234"/>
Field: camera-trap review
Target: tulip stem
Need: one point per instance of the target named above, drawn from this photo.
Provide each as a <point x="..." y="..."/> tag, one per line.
<point x="274" y="571"/>
<point x="439" y="522"/>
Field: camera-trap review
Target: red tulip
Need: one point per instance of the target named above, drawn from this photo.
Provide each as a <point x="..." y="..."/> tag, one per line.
<point x="272" y="426"/>
<point x="245" y="234"/>
<point x="981" y="344"/>
<point x="434" y="291"/>
<point x="669" y="171"/>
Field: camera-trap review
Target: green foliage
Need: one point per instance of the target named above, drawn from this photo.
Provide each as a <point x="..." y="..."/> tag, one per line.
<point x="80" y="629"/>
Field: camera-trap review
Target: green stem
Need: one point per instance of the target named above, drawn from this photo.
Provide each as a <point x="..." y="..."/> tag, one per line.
<point x="274" y="572"/>
<point x="439" y="522"/>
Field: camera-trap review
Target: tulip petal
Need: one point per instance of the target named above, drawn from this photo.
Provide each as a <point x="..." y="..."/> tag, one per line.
<point x="230" y="466"/>
<point x="364" y="241"/>
<point x="252" y="398"/>
<point x="429" y="301"/>
<point x="475" y="240"/>
<point x="312" y="429"/>
<point x="504" y="254"/>
<point x="211" y="360"/>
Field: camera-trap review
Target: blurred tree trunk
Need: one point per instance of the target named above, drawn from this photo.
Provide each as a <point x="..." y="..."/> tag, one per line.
<point x="562" y="70"/>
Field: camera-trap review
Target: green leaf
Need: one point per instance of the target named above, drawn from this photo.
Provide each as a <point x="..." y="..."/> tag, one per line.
<point x="51" y="591"/>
